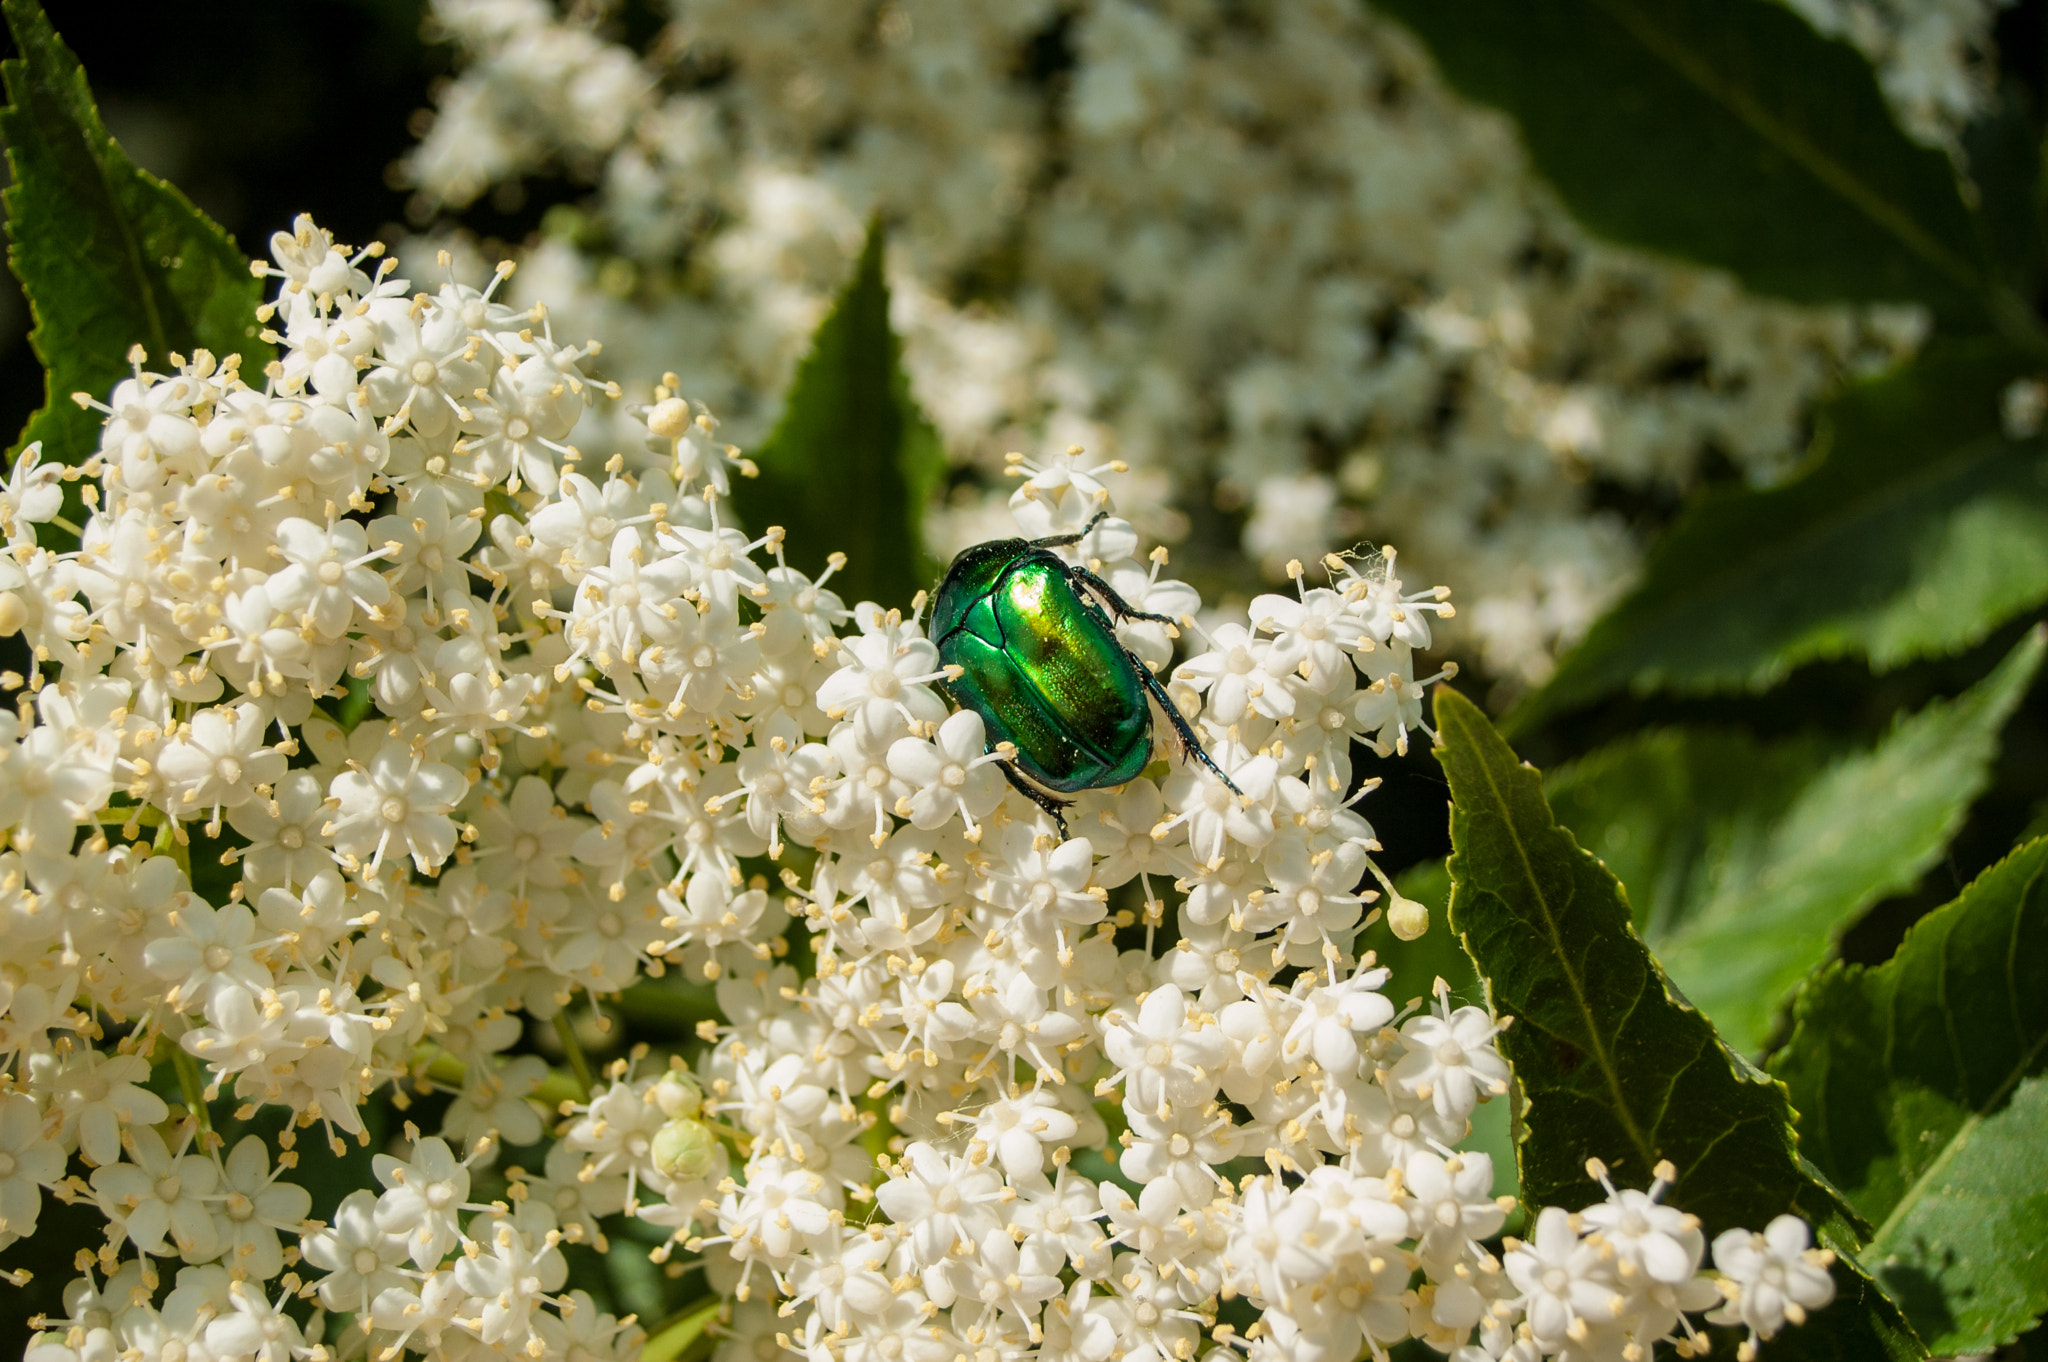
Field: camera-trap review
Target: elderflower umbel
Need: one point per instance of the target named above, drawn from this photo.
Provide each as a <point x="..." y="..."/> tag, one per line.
<point x="594" y="717"/>
<point x="1246" y="243"/>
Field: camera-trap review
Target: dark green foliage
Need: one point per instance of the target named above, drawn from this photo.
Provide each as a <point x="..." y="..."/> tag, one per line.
<point x="1722" y="131"/>
<point x="1675" y="813"/>
<point x="1729" y="133"/>
<point x="1918" y="530"/>
<point x="109" y="255"/>
<point x="1746" y="859"/>
<point x="1922" y="1094"/>
<point x="852" y="462"/>
<point x="1611" y="1062"/>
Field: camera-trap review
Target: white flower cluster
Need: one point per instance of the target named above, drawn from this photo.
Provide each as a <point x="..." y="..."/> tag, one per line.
<point x="1257" y="243"/>
<point x="589" y="710"/>
<point x="1935" y="59"/>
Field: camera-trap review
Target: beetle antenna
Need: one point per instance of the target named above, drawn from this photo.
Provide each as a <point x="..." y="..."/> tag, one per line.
<point x="1190" y="744"/>
<point x="1061" y="541"/>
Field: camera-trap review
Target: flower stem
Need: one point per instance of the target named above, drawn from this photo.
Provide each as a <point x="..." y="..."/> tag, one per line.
<point x="169" y="843"/>
<point x="193" y="1085"/>
<point x="579" y="1063"/>
<point x="450" y="1072"/>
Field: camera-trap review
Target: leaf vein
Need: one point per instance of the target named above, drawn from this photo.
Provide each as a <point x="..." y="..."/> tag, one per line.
<point x="1571" y="968"/>
<point x="1838" y="178"/>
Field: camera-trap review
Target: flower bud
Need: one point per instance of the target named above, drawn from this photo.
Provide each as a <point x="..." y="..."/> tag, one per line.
<point x="683" y="1149"/>
<point x="1407" y="919"/>
<point x="678" y="1096"/>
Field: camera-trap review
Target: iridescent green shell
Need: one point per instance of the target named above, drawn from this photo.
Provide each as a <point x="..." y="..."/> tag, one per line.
<point x="1042" y="667"/>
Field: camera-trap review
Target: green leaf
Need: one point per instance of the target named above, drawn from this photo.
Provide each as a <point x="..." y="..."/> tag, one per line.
<point x="109" y="255"/>
<point x="1677" y="813"/>
<point x="1726" y="132"/>
<point x="1918" y="529"/>
<point x="670" y="1340"/>
<point x="1746" y="859"/>
<point x="852" y="462"/>
<point x="1612" y="1064"/>
<point x="1922" y="1092"/>
<point x="2001" y="163"/>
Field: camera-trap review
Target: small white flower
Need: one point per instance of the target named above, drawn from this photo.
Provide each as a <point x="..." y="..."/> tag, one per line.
<point x="359" y="1259"/>
<point x="1216" y="817"/>
<point x="422" y="1198"/>
<point x="30" y="495"/>
<point x="398" y="802"/>
<point x="1181" y="1149"/>
<point x="285" y="842"/>
<point x="424" y="546"/>
<point x="495" y="1102"/>
<point x="48" y="785"/>
<point x="1660" y="1241"/>
<point x="1773" y="1278"/>
<point x="953" y="773"/>
<point x="781" y="781"/>
<point x="1451" y="1202"/>
<point x="778" y="1209"/>
<point x="940" y="1201"/>
<point x="1242" y="673"/>
<point x="578" y="528"/>
<point x="29" y="1161"/>
<point x="719" y="564"/>
<point x="517" y="1268"/>
<point x="254" y="1326"/>
<point x="328" y="575"/>
<point x="1562" y="1280"/>
<point x="1451" y="1061"/>
<point x="94" y="1095"/>
<point x="256" y="1205"/>
<point x="1061" y="492"/>
<point x="158" y="1195"/>
<point x="885" y="671"/>
<point x="1326" y="1025"/>
<point x="210" y="951"/>
<point x="1320" y="627"/>
<point x="1161" y="1057"/>
<point x="1374" y="595"/>
<point x="428" y="366"/>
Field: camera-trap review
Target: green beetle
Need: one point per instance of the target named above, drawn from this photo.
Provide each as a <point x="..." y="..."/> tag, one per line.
<point x="1041" y="664"/>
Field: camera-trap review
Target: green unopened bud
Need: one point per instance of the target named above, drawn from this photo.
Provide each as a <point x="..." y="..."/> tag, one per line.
<point x="678" y="1096"/>
<point x="683" y="1150"/>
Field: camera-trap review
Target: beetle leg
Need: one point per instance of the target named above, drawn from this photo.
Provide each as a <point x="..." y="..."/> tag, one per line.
<point x="1190" y="745"/>
<point x="1060" y="541"/>
<point x="1118" y="606"/>
<point x="1051" y="804"/>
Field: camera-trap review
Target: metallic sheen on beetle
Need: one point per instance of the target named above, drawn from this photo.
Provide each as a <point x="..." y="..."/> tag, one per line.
<point x="1041" y="664"/>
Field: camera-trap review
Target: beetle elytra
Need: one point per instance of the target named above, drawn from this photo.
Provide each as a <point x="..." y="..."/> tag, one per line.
<point x="1039" y="660"/>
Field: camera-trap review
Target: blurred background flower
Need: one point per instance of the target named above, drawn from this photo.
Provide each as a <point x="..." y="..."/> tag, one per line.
<point x="1256" y="250"/>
